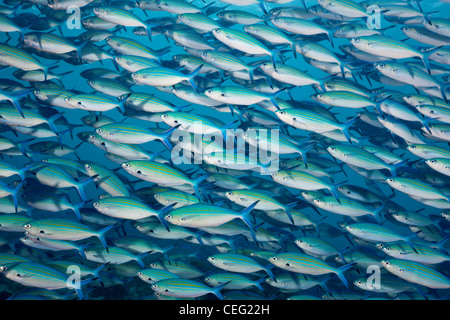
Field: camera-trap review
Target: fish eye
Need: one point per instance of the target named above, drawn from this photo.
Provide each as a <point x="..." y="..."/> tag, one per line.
<point x="27" y="226"/>
<point x="356" y="40"/>
<point x="156" y="196"/>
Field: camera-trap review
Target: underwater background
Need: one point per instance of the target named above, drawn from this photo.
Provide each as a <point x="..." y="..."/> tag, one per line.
<point x="412" y="214"/>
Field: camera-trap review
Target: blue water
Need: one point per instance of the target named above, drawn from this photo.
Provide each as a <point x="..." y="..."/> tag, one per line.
<point x="121" y="283"/>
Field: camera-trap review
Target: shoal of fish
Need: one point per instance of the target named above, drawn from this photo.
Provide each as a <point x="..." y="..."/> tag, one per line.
<point x="131" y="135"/>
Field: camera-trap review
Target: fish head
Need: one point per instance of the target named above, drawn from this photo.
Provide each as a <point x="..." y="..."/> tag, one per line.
<point x="74" y="102"/>
<point x="12" y="273"/>
<point x="285" y="116"/>
<point x="99" y="12"/>
<point x="251" y="29"/>
<point x="279" y="22"/>
<point x="132" y="168"/>
<point x="216" y="93"/>
<point x="387" y="69"/>
<point x="232" y="195"/>
<point x="218" y="33"/>
<point x="171" y="119"/>
<point x="267" y="67"/>
<point x="361" y="43"/>
<point x="31" y="40"/>
<point x="35" y="228"/>
<point x="428" y="111"/>
<point x="439" y="164"/>
<point x="362" y="283"/>
<point x="334" y="150"/>
<point x="207" y="56"/>
<point x="395" y="183"/>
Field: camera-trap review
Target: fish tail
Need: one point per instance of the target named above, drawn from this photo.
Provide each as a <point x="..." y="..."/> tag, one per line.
<point x="268" y="270"/>
<point x="122" y="101"/>
<point x="273" y="96"/>
<point x="323" y="283"/>
<point x="102" y="232"/>
<point x="196" y="184"/>
<point x="426" y="121"/>
<point x="76" y="209"/>
<point x="51" y="124"/>
<point x="340" y="273"/>
<point x="161" y="214"/>
<point x="163" y="51"/>
<point x="224" y="129"/>
<point x="441" y="243"/>
<point x="148" y="28"/>
<point x="443" y="88"/>
<point x="80" y="185"/>
<point x="334" y="190"/>
<point x="259" y="282"/>
<point x="217" y="290"/>
<point x="21" y="146"/>
<point x="261" y="4"/>
<point x="324" y="80"/>
<point x="164" y="137"/>
<point x="377" y="212"/>
<point x="273" y="55"/>
<point x="408" y="240"/>
<point x="346" y="126"/>
<point x="304" y="153"/>
<point x="289" y="214"/>
<point x="15" y="193"/>
<point x="15" y="101"/>
<point x="191" y="76"/>
<point x="139" y="258"/>
<point x="245" y="215"/>
<point x="426" y="57"/>
<point x="80" y="250"/>
<point x="394" y="167"/>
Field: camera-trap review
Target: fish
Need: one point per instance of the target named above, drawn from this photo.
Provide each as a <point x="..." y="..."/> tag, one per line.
<point x="38" y="275"/>
<point x="417" y="273"/>
<point x="185" y="288"/>
<point x="303" y="263"/>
